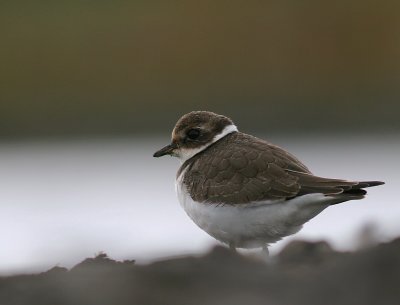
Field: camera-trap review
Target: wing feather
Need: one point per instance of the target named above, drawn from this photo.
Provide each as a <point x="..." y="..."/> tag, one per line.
<point x="240" y="168"/>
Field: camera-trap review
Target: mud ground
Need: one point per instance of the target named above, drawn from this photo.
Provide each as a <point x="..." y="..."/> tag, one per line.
<point x="303" y="273"/>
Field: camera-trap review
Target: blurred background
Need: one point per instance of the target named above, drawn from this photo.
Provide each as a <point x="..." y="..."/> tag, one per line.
<point x="90" y="89"/>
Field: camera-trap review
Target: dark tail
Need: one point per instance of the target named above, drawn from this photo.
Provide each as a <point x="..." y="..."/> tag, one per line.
<point x="332" y="187"/>
<point x="358" y="189"/>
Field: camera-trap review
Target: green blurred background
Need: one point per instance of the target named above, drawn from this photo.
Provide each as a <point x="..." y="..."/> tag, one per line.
<point x="95" y="68"/>
<point x="90" y="89"/>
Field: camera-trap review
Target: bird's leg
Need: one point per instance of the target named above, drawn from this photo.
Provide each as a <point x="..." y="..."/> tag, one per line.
<point x="265" y="250"/>
<point x="232" y="247"/>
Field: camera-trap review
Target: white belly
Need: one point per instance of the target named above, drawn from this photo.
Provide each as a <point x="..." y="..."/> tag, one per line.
<point x="255" y="224"/>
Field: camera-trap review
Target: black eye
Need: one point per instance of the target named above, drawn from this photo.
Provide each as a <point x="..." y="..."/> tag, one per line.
<point x="193" y="134"/>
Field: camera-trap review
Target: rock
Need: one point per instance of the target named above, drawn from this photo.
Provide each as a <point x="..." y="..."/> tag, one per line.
<point x="306" y="252"/>
<point x="303" y="273"/>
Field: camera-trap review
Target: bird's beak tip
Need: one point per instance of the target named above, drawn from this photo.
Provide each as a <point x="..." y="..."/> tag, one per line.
<point x="167" y="150"/>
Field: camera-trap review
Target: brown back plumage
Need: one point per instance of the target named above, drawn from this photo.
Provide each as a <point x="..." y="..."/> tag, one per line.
<point x="240" y="168"/>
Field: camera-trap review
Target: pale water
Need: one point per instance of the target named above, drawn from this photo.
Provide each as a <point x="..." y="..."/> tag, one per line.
<point x="63" y="201"/>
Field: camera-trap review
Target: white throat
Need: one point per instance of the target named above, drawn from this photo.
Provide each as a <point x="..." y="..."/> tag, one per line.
<point x="184" y="154"/>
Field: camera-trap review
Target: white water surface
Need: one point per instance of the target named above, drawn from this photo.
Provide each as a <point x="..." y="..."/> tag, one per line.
<point x="63" y="201"/>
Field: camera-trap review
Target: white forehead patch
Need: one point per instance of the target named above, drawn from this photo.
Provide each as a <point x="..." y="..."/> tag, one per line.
<point x="184" y="154"/>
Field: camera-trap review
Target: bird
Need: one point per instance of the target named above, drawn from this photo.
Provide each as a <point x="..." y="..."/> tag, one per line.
<point x="244" y="191"/>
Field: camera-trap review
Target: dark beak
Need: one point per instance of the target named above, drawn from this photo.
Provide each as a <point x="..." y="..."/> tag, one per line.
<point x="167" y="150"/>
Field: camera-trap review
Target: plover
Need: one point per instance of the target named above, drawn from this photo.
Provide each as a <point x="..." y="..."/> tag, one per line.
<point x="244" y="191"/>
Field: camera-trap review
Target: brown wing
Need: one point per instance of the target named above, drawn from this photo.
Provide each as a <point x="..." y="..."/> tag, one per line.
<point x="240" y="168"/>
<point x="313" y="184"/>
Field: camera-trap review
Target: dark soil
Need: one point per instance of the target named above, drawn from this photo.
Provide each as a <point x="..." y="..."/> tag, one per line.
<point x="303" y="273"/>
